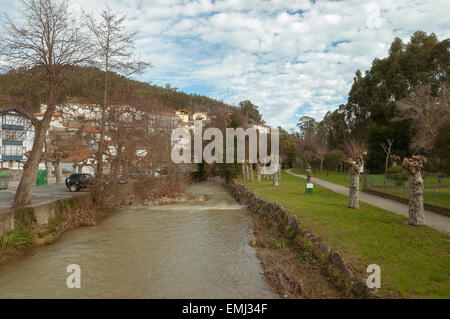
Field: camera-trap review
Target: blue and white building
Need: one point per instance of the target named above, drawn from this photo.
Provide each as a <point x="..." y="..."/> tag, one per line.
<point x="16" y="138"/>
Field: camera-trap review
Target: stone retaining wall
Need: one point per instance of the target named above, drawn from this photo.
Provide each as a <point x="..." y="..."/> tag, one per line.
<point x="292" y="226"/>
<point x="43" y="213"/>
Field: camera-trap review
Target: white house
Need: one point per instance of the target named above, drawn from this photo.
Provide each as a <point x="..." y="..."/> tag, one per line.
<point x="261" y="128"/>
<point x="183" y="115"/>
<point x="203" y="116"/>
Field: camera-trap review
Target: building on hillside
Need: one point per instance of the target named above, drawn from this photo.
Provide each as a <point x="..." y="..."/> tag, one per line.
<point x="90" y="135"/>
<point x="79" y="162"/>
<point x="261" y="128"/>
<point x="16" y="138"/>
<point x="76" y="112"/>
<point x="183" y="115"/>
<point x="57" y="121"/>
<point x="202" y="116"/>
<point x="158" y="121"/>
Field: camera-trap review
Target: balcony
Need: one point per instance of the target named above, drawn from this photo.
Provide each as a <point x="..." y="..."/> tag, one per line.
<point x="12" y="142"/>
<point x="12" y="158"/>
<point x="13" y="127"/>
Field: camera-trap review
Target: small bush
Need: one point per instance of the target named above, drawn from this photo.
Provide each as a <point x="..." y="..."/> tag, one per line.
<point x="280" y="243"/>
<point x="48" y="239"/>
<point x="19" y="239"/>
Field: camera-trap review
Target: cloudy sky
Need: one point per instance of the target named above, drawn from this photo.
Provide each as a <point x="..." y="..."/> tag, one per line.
<point x="291" y="58"/>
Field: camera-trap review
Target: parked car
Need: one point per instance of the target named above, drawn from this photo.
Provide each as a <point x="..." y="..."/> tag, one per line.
<point x="162" y="170"/>
<point x="76" y="182"/>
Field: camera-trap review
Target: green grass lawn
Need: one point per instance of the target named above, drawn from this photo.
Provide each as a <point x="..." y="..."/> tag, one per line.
<point x="377" y="180"/>
<point x="414" y="261"/>
<point x="340" y="178"/>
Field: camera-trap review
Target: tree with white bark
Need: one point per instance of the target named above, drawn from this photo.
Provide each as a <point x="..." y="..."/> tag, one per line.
<point x="413" y="166"/>
<point x="46" y="37"/>
<point x="356" y="150"/>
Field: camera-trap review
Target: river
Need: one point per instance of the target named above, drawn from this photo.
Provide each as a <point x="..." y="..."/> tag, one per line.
<point x="185" y="250"/>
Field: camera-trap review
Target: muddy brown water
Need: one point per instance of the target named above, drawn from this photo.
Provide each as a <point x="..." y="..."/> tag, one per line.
<point x="193" y="250"/>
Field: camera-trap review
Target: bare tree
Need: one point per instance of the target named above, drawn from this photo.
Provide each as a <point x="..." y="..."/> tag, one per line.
<point x="320" y="152"/>
<point x="356" y="151"/>
<point x="59" y="144"/>
<point x="387" y="148"/>
<point x="46" y="36"/>
<point x="428" y="107"/>
<point x="115" y="48"/>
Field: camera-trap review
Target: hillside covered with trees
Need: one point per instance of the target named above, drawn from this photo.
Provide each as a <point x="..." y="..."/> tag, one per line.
<point x="86" y="85"/>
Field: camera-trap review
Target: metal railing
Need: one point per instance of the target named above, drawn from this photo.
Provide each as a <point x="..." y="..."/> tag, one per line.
<point x="436" y="186"/>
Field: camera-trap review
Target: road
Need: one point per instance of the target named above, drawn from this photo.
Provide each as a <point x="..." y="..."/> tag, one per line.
<point x="432" y="219"/>
<point x="41" y="194"/>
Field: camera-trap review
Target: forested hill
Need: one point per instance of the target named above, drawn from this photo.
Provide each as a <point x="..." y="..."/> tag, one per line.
<point x="86" y="85"/>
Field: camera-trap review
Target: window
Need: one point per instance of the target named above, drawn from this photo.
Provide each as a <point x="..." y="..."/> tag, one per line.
<point x="13" y="119"/>
<point x="13" y="135"/>
<point x="12" y="150"/>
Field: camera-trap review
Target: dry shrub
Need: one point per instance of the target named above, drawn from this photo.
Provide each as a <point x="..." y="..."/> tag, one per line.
<point x="146" y="188"/>
<point x="280" y="272"/>
<point x="291" y="268"/>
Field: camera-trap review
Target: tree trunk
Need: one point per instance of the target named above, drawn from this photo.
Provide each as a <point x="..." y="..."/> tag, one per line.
<point x="386" y="164"/>
<point x="243" y="170"/>
<point x="275" y="179"/>
<point x="125" y="170"/>
<point x="258" y="172"/>
<point x="250" y="171"/>
<point x="246" y="171"/>
<point x="48" y="167"/>
<point x="353" y="195"/>
<point x="58" y="172"/>
<point x="416" y="212"/>
<point x="308" y="175"/>
<point x="114" y="176"/>
<point x="30" y="169"/>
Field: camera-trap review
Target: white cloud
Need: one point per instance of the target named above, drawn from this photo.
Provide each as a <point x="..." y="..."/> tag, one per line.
<point x="291" y="58"/>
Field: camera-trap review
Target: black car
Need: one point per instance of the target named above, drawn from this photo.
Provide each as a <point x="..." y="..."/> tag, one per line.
<point x="162" y="170"/>
<point x="75" y="182"/>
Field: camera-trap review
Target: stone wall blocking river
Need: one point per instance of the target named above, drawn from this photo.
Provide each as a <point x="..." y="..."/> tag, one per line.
<point x="185" y="250"/>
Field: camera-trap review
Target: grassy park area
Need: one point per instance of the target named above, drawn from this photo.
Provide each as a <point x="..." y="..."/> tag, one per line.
<point x="414" y="261"/>
<point x="438" y="196"/>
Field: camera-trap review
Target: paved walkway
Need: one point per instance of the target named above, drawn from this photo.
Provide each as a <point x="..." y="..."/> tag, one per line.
<point x="40" y="194"/>
<point x="432" y="219"/>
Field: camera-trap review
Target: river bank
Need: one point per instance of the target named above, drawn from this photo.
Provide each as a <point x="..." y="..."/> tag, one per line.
<point x="297" y="263"/>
